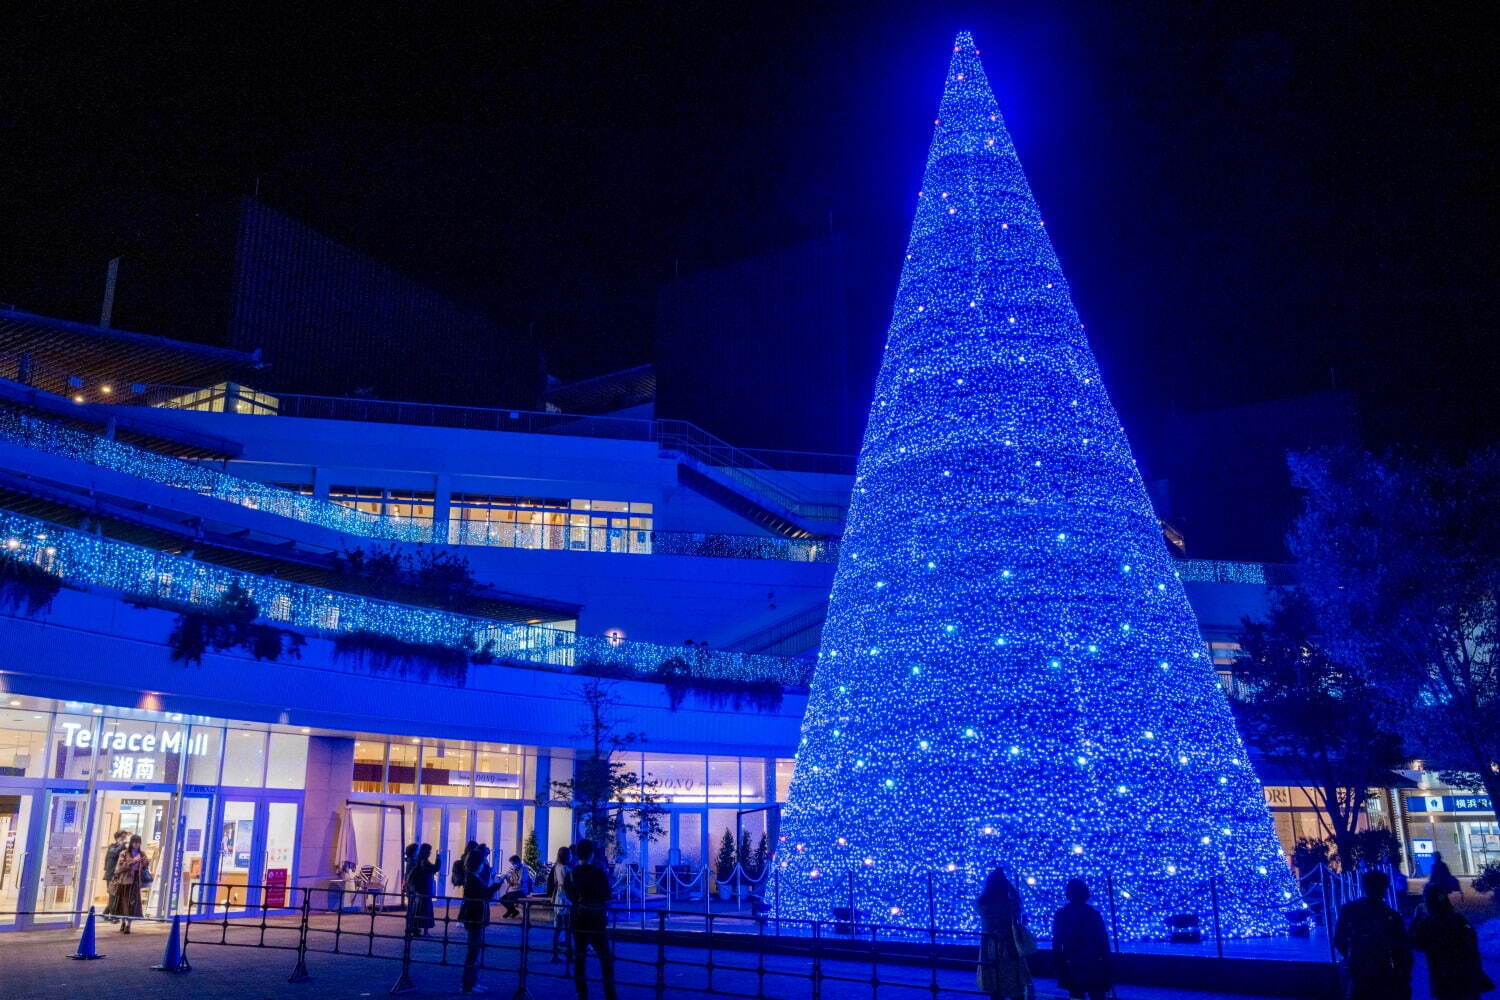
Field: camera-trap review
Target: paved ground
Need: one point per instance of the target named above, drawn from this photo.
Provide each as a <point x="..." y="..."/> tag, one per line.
<point x="33" y="966"/>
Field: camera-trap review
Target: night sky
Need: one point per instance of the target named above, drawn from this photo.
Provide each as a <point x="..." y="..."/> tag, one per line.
<point x="1251" y="200"/>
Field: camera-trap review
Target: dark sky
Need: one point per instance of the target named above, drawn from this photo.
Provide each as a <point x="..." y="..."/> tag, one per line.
<point x="1245" y="195"/>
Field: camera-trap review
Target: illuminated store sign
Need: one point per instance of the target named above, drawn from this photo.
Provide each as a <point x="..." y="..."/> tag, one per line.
<point x="82" y="737"/>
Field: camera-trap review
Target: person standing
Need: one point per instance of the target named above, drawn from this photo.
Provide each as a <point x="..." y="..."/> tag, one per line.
<point x="421" y="886"/>
<point x="111" y="858"/>
<point x="1445" y="936"/>
<point x="1442" y="876"/>
<point x="518" y="886"/>
<point x="1002" y="971"/>
<point x="474" y="912"/>
<point x="125" y="884"/>
<point x="557" y="879"/>
<point x="1372" y="940"/>
<point x="587" y="888"/>
<point x="1080" y="945"/>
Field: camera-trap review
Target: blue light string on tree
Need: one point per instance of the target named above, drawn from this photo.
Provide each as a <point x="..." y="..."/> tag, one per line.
<point x="1010" y="672"/>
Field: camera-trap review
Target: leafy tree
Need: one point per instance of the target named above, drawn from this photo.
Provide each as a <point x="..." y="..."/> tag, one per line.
<point x="762" y="856"/>
<point x="744" y="852"/>
<point x="531" y="852"/>
<point x="1400" y="557"/>
<point x="1301" y="706"/>
<point x="609" y="799"/>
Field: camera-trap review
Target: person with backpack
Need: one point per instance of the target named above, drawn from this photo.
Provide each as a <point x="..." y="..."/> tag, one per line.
<point x="1372" y="940"/>
<point x="1442" y="876"/>
<point x="1448" y="940"/>
<point x="457" y="876"/>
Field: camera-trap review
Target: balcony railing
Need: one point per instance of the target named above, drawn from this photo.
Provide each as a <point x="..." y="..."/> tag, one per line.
<point x="55" y="439"/>
<point x="641" y="541"/>
<point x="93" y="561"/>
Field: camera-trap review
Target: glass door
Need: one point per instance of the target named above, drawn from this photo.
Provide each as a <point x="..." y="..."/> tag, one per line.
<point x="15" y="823"/>
<point x="279" y="853"/>
<point x="62" y="857"/>
<point x="190" y="867"/>
<point x="236" y="859"/>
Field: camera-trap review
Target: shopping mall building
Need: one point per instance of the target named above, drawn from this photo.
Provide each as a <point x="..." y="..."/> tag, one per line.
<point x="140" y="481"/>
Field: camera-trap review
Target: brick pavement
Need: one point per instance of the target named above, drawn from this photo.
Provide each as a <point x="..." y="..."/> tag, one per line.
<point x="33" y="966"/>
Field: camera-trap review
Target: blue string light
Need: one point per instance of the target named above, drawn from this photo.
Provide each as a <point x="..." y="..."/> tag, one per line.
<point x="1011" y="672"/>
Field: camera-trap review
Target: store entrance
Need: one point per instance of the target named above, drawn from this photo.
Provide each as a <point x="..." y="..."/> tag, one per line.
<point x="15" y="821"/>
<point x="142" y="814"/>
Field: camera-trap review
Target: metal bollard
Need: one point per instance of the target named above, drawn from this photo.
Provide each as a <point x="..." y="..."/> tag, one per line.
<point x="661" y="955"/>
<point x="403" y="982"/>
<point x="522" y="991"/>
<point x="817" y="961"/>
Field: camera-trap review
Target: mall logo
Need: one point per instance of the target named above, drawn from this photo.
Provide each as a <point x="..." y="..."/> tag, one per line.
<point x="173" y="742"/>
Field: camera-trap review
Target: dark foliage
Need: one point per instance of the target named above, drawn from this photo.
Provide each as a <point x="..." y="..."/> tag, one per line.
<point x="677" y="677"/>
<point x="724" y="863"/>
<point x="388" y="655"/>
<point x="1302" y="706"/>
<point x="1309" y="853"/>
<point x="1489" y="879"/>
<point x="25" y="584"/>
<point x="229" y="624"/>
<point x="435" y="576"/>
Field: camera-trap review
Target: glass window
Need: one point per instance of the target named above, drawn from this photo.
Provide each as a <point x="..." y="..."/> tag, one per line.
<point x="752" y="779"/>
<point x="203" y="750"/>
<point x="287" y="767"/>
<point x="723" y="779"/>
<point x="401" y="773"/>
<point x="244" y="758"/>
<point x="678" y="779"/>
<point x="783" y="779"/>
<point x="548" y="523"/>
<point x="23" y="745"/>
<point x="369" y="766"/>
<point x="281" y="842"/>
<point x="448" y="769"/>
<point x="499" y="773"/>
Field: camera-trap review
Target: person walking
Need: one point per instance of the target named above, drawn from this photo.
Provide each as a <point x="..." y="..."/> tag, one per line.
<point x="111" y="858"/>
<point x="125" y="884"/>
<point x="1372" y="941"/>
<point x="1002" y="971"/>
<point x="1446" y="937"/>
<point x="474" y="912"/>
<point x="421" y="886"/>
<point x="1080" y="945"/>
<point x="587" y="888"/>
<point x="557" y="879"/>
<point x="1442" y="876"/>
<point x="518" y="886"/>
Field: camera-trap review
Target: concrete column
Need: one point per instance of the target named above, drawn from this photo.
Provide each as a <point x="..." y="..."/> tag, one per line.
<point x="320" y="483"/>
<point x="542" y="791"/>
<point x="442" y="503"/>
<point x="330" y="779"/>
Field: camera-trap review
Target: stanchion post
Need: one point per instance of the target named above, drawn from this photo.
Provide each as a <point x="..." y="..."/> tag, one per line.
<point x="661" y="955"/>
<point x="760" y="960"/>
<point x="523" y="992"/>
<point x="817" y="961"/>
<point x="932" y="953"/>
<point x="778" y="902"/>
<point x="1114" y="913"/>
<point x="931" y="903"/>
<point x="1213" y="896"/>
<point x="299" y="972"/>
<point x="1323" y="883"/>
<point x="403" y="982"/>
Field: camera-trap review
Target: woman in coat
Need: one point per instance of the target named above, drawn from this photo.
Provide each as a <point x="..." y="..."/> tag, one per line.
<point x="125" y="884"/>
<point x="1451" y="946"/>
<point x="421" y="886"/>
<point x="1080" y="945"/>
<point x="1002" y="972"/>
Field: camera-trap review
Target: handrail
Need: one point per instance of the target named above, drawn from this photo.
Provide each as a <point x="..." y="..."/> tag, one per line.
<point x="92" y="560"/>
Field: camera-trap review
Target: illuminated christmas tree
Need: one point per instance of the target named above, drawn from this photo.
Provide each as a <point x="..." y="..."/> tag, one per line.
<point x="1010" y="672"/>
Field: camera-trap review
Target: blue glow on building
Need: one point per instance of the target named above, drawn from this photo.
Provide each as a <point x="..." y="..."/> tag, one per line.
<point x="1010" y="672"/>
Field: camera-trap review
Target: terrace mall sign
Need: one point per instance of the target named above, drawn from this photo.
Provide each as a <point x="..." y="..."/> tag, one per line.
<point x="82" y="737"/>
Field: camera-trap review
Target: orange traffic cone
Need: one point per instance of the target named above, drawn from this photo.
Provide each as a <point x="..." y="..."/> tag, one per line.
<point x="86" y="950"/>
<point x="172" y="958"/>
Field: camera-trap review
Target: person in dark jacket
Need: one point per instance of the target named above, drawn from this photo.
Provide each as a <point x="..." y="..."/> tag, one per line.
<point x="479" y="890"/>
<point x="1442" y="876"/>
<point x="421" y="886"/>
<point x="1451" y="946"/>
<point x="557" y="880"/>
<point x="458" y="865"/>
<point x="1372" y="939"/>
<point x="112" y="858"/>
<point x="588" y="891"/>
<point x="1080" y="945"/>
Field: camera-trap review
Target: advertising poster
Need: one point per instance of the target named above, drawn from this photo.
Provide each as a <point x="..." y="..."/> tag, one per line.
<point x="275" y="887"/>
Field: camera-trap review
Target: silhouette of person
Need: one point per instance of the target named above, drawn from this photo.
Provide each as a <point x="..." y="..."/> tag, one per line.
<point x="1448" y="940"/>
<point x="588" y="891"/>
<point x="1080" y="945"/>
<point x="1372" y="940"/>
<point x="1002" y="972"/>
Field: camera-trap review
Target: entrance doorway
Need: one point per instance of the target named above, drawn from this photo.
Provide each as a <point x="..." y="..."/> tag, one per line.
<point x="15" y="824"/>
<point x="142" y="814"/>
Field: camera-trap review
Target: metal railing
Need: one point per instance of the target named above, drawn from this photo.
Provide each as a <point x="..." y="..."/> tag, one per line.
<point x="66" y="442"/>
<point x="81" y="558"/>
